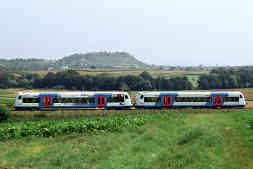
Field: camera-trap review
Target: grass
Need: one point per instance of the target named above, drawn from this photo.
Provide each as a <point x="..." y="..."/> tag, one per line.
<point x="120" y="72"/>
<point x="8" y="91"/>
<point x="186" y="138"/>
<point x="6" y="101"/>
<point x="8" y="96"/>
<point x="194" y="80"/>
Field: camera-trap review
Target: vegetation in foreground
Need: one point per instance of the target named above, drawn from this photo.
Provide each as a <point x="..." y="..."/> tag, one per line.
<point x="194" y="139"/>
<point x="47" y="128"/>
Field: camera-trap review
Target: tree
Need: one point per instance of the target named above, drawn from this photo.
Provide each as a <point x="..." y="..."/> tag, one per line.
<point x="146" y="75"/>
<point x="124" y="87"/>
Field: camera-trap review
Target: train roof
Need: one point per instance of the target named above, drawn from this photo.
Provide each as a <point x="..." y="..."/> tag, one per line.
<point x="72" y="93"/>
<point x="189" y="92"/>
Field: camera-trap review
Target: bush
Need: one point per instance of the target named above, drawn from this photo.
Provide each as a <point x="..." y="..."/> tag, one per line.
<point x="4" y="113"/>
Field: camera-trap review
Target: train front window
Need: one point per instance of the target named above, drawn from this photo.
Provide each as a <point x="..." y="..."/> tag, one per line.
<point x="126" y="96"/>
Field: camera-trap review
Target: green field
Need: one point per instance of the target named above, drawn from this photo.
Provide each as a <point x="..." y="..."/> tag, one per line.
<point x="7" y="91"/>
<point x="194" y="80"/>
<point x="6" y="101"/>
<point x="184" y="138"/>
<point x="120" y="72"/>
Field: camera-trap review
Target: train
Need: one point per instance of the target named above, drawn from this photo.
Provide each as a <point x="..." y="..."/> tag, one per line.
<point x="122" y="100"/>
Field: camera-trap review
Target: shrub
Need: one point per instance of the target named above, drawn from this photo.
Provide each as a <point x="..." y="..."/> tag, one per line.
<point x="4" y="113"/>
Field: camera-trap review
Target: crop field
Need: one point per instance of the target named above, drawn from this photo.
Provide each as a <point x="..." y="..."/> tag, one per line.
<point x="120" y="72"/>
<point x="8" y="96"/>
<point x="187" y="138"/>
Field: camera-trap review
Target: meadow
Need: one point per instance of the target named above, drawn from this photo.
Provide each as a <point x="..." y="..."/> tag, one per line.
<point x="187" y="138"/>
<point x="125" y="72"/>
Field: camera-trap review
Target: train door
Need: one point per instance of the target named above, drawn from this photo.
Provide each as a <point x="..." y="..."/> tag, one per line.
<point x="100" y="101"/>
<point x="166" y="101"/>
<point x="217" y="101"/>
<point x="46" y="101"/>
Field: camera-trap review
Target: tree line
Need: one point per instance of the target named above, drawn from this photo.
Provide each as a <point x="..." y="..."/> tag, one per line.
<point x="227" y="79"/>
<point x="72" y="80"/>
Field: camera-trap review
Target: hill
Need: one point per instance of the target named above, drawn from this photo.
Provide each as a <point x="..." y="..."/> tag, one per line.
<point x="101" y="60"/>
<point x="121" y="60"/>
<point x="25" y="64"/>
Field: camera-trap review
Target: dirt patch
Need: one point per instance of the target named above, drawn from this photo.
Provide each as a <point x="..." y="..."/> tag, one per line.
<point x="249" y="105"/>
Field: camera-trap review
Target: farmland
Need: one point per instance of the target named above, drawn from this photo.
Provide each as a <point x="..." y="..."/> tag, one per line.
<point x="168" y="139"/>
<point x="120" y="72"/>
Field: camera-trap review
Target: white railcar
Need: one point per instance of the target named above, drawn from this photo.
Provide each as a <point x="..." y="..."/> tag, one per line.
<point x="31" y="100"/>
<point x="190" y="99"/>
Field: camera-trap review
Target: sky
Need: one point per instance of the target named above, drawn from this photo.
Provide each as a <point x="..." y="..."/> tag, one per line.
<point x="162" y="32"/>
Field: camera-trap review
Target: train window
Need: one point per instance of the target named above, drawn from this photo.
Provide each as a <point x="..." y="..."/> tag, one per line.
<point x="141" y="97"/>
<point x="68" y="100"/>
<point x="126" y="96"/>
<point x="192" y="99"/>
<point x="240" y="96"/>
<point x="78" y="100"/>
<point x="206" y="99"/>
<point x="84" y="100"/>
<point x="31" y="100"/>
<point x="19" y="97"/>
<point x="231" y="99"/>
<point x="109" y="99"/>
<point x="91" y="100"/>
<point x="75" y="100"/>
<point x="103" y="100"/>
<point x="178" y="99"/>
<point x="56" y="100"/>
<point x="115" y="99"/>
<point x="152" y="99"/>
<point x="62" y="100"/>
